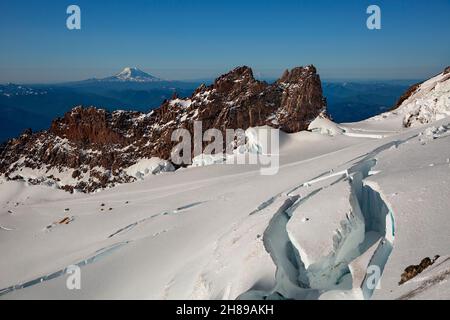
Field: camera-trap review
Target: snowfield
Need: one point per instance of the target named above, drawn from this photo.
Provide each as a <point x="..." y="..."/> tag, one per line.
<point x="349" y="202"/>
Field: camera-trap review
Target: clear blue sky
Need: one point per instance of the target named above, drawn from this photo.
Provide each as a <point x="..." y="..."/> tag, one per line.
<point x="188" y="39"/>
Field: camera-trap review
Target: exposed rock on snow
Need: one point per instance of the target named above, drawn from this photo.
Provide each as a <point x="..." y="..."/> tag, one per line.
<point x="413" y="270"/>
<point x="63" y="221"/>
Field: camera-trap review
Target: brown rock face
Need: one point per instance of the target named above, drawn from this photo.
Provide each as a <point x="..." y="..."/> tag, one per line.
<point x="86" y="140"/>
<point x="302" y="95"/>
<point x="86" y="126"/>
<point x="413" y="270"/>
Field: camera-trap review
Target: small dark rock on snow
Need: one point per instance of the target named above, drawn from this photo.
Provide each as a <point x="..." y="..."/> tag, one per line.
<point x="413" y="270"/>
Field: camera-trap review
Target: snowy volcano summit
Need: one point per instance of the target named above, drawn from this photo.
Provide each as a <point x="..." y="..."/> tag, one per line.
<point x="132" y="74"/>
<point x="355" y="211"/>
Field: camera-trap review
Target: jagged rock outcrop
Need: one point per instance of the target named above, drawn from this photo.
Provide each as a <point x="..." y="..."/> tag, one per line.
<point x="91" y="148"/>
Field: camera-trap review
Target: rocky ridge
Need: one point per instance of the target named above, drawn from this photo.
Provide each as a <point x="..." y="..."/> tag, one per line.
<point x="89" y="148"/>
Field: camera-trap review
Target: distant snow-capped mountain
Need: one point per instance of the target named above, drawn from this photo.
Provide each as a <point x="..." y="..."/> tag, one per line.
<point x="132" y="74"/>
<point x="130" y="78"/>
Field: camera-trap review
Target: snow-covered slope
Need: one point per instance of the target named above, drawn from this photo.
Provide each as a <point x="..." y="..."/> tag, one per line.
<point x="430" y="101"/>
<point x="423" y="103"/>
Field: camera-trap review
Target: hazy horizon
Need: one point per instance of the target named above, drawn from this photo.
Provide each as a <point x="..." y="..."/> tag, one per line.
<point x="262" y="75"/>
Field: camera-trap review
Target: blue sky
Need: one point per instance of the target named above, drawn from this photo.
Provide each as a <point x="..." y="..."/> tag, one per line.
<point x="190" y="39"/>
